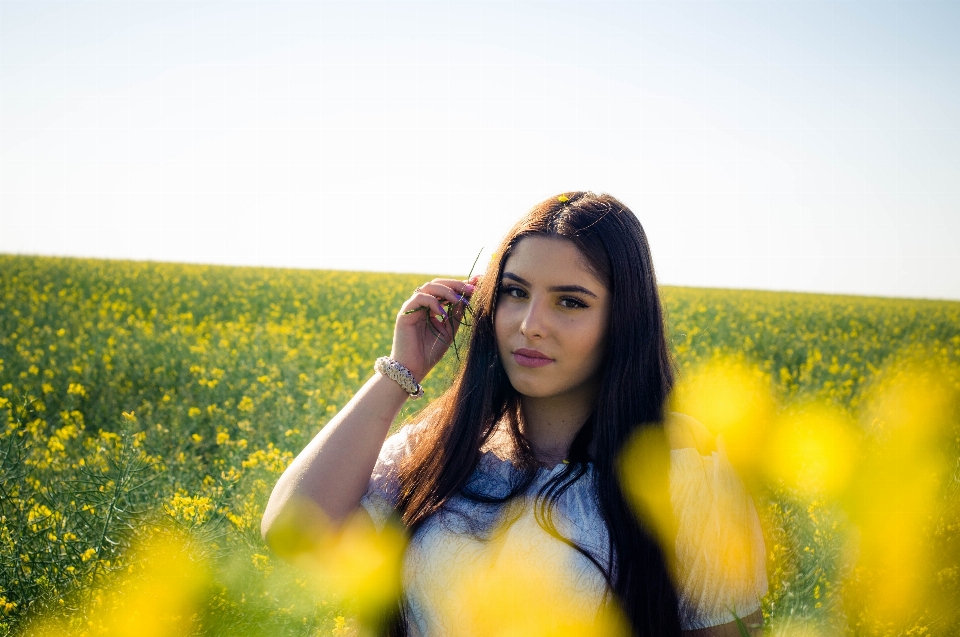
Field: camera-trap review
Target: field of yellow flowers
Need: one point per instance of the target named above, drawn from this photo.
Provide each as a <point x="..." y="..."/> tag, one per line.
<point x="147" y="410"/>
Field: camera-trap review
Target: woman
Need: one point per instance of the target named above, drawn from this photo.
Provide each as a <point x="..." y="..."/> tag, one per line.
<point x="567" y="360"/>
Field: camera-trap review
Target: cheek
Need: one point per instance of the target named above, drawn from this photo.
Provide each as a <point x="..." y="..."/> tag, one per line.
<point x="595" y="345"/>
<point x="503" y="320"/>
<point x="499" y="329"/>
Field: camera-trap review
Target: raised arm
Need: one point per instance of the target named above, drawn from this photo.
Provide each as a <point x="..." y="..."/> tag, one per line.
<point x="332" y="472"/>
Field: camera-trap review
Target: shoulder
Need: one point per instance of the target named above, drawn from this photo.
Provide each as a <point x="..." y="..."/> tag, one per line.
<point x="383" y="490"/>
<point x="686" y="432"/>
<point x="397" y="448"/>
<point x="721" y="556"/>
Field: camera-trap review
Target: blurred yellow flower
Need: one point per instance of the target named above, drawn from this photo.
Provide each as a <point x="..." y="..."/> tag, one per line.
<point x="813" y="449"/>
<point x="734" y="400"/>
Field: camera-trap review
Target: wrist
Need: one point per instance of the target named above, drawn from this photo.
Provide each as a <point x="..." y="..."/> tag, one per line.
<point x="418" y="373"/>
<point x="400" y="374"/>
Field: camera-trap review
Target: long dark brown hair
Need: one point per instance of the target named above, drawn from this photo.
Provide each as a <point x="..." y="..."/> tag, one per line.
<point x="638" y="376"/>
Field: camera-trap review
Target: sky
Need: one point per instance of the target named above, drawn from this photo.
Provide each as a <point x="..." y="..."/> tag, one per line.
<point x="799" y="145"/>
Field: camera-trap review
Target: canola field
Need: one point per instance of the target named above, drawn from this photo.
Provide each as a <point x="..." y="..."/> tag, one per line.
<point x="147" y="409"/>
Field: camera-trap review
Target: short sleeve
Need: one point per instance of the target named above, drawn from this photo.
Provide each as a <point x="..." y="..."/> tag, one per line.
<point x="721" y="557"/>
<point x="383" y="491"/>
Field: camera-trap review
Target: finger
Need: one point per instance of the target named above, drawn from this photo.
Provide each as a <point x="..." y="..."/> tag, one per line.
<point x="457" y="316"/>
<point x="458" y="284"/>
<point x="440" y="322"/>
<point x="459" y="288"/>
<point x="460" y="293"/>
<point x="433" y="306"/>
<point x="433" y="330"/>
<point x="459" y="310"/>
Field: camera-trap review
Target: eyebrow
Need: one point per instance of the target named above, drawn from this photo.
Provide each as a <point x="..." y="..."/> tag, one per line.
<point x="556" y="288"/>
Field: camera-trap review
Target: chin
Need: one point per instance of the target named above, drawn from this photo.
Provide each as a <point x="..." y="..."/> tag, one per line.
<point x="533" y="389"/>
<point x="533" y="392"/>
<point x="542" y="388"/>
<point x="525" y="387"/>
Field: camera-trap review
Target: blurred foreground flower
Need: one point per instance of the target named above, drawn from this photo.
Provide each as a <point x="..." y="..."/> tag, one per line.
<point x="733" y="400"/>
<point x="813" y="449"/>
<point x="900" y="496"/>
<point x="889" y="481"/>
<point x="700" y="513"/>
<point x="510" y="588"/>
<point x="158" y="595"/>
<point x="645" y="473"/>
<point x="523" y="588"/>
<point x="352" y="562"/>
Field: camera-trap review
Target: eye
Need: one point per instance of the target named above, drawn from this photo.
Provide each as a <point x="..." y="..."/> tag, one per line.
<point x="512" y="290"/>
<point x="574" y="303"/>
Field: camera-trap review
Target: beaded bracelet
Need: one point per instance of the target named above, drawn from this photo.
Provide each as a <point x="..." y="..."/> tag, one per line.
<point x="391" y="368"/>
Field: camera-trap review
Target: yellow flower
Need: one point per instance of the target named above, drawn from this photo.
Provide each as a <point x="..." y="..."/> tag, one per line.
<point x="186" y="508"/>
<point x="260" y="561"/>
<point x="339" y="626"/>
<point x="245" y="404"/>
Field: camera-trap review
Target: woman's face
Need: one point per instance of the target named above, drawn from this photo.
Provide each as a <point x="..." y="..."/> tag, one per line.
<point x="551" y="319"/>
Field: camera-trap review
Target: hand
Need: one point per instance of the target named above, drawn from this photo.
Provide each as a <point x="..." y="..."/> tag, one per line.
<point x="424" y="329"/>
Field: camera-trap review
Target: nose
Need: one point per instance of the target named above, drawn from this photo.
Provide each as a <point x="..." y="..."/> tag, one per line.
<point x="533" y="324"/>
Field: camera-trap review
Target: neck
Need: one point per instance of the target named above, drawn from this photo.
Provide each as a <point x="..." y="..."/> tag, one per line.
<point x="551" y="424"/>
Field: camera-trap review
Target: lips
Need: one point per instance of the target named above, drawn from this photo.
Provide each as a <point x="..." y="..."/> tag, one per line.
<point x="531" y="358"/>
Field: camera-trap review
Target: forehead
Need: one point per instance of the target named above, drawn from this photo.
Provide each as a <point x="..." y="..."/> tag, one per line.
<point x="551" y="261"/>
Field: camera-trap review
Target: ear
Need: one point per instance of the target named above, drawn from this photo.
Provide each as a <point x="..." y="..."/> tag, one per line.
<point x="685" y="432"/>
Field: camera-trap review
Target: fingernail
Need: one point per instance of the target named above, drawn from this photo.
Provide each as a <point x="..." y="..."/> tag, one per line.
<point x="469" y="288"/>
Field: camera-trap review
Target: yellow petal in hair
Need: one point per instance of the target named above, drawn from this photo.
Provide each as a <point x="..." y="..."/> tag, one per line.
<point x="563" y="199"/>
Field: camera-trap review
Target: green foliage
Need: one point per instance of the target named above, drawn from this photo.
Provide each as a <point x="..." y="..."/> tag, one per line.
<point x="136" y="396"/>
